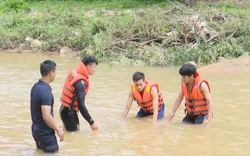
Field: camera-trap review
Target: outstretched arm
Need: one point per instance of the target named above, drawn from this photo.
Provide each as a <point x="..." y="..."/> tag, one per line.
<point x="205" y="91"/>
<point x="128" y="105"/>
<point x="80" y="87"/>
<point x="176" y="106"/>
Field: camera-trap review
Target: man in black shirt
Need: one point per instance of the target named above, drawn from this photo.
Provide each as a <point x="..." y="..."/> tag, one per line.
<point x="73" y="95"/>
<point x="41" y="109"/>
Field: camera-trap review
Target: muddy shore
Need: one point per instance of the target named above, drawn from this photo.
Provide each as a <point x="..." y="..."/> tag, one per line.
<point x="236" y="65"/>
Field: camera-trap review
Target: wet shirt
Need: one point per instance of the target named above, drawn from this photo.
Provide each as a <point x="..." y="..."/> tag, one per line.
<point x="40" y="95"/>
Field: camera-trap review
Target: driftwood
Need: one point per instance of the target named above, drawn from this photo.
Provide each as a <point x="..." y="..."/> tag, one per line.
<point x="191" y="30"/>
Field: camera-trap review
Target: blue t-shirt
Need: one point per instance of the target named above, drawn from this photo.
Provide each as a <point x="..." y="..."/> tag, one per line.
<point x="40" y="95"/>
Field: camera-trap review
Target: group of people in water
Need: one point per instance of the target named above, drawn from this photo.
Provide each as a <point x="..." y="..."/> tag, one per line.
<point x="195" y="90"/>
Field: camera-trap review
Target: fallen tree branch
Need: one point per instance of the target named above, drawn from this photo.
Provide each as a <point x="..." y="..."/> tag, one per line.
<point x="143" y="43"/>
<point x="119" y="48"/>
<point x="212" y="38"/>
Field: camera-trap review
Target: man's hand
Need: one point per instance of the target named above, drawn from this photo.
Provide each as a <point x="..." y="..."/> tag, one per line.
<point x="207" y="122"/>
<point x="170" y="117"/>
<point x="94" y="127"/>
<point x="60" y="133"/>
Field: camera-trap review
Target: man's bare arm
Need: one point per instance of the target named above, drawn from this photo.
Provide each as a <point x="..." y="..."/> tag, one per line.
<point x="205" y="91"/>
<point x="176" y="106"/>
<point x="49" y="120"/>
<point x="128" y="105"/>
<point x="154" y="95"/>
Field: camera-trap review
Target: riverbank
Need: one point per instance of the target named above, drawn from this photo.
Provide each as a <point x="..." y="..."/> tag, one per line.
<point x="146" y="35"/>
<point x="239" y="65"/>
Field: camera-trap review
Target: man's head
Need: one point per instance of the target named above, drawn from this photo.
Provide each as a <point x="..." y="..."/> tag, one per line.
<point x="90" y="62"/>
<point x="188" y="72"/>
<point x="139" y="80"/>
<point x="48" y="69"/>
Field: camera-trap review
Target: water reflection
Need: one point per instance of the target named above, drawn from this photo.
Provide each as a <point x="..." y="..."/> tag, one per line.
<point x="228" y="134"/>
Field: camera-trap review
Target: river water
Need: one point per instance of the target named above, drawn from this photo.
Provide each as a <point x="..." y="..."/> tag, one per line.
<point x="228" y="134"/>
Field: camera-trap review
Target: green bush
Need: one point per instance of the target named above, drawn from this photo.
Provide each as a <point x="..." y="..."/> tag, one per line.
<point x="14" y="6"/>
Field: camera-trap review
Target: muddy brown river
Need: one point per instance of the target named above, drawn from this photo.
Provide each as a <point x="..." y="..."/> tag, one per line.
<point x="228" y="134"/>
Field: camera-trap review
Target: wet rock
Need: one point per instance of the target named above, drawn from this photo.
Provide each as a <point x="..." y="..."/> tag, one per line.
<point x="28" y="38"/>
<point x="65" y="50"/>
<point x="35" y="43"/>
<point x="18" y="50"/>
<point x="128" y="11"/>
<point x="221" y="59"/>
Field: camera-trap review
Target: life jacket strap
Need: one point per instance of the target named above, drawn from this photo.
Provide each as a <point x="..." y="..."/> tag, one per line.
<point x="72" y="105"/>
<point x="68" y="89"/>
<point x="203" y="112"/>
<point x="196" y="106"/>
<point x="195" y="100"/>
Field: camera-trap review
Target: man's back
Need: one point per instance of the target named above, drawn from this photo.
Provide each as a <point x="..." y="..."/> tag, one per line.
<point x="40" y="95"/>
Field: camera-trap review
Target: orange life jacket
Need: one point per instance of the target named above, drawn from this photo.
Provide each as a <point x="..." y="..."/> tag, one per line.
<point x="146" y="100"/>
<point x="196" y="102"/>
<point x="68" y="96"/>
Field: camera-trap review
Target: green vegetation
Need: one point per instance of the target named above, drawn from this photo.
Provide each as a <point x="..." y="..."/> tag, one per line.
<point x="131" y="32"/>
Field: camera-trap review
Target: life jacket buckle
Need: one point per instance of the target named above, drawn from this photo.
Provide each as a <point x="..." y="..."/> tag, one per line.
<point x="191" y="107"/>
<point x="191" y="100"/>
<point x="191" y="113"/>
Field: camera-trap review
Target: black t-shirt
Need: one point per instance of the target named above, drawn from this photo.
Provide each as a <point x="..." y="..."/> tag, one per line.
<point x="40" y="95"/>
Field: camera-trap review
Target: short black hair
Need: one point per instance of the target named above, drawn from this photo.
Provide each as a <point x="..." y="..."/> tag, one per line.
<point x="47" y="66"/>
<point x="138" y="76"/>
<point x="88" y="59"/>
<point x="187" y="70"/>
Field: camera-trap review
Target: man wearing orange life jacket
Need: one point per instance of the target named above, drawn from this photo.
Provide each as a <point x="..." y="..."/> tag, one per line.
<point x="73" y="95"/>
<point x="147" y="96"/>
<point x="196" y="92"/>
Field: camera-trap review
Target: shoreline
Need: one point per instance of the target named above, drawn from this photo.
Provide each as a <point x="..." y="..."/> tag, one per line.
<point x="240" y="65"/>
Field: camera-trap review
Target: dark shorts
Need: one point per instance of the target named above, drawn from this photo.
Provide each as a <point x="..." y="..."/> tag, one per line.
<point x="200" y="119"/>
<point x="44" y="137"/>
<point x="142" y="113"/>
<point x="69" y="118"/>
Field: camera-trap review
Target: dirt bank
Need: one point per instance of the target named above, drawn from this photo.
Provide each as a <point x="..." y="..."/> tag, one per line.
<point x="236" y="65"/>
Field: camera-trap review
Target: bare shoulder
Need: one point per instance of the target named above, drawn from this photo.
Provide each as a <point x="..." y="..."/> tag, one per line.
<point x="130" y="93"/>
<point x="153" y="89"/>
<point x="204" y="87"/>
